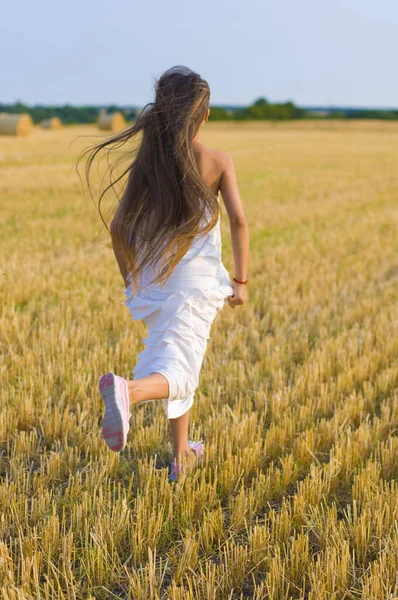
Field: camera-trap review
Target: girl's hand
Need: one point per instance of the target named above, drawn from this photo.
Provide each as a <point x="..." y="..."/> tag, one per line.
<point x="240" y="294"/>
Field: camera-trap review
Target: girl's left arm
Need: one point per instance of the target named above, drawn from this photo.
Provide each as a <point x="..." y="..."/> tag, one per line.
<point x="119" y="255"/>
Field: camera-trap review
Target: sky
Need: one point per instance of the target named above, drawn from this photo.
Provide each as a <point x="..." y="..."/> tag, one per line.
<point x="313" y="52"/>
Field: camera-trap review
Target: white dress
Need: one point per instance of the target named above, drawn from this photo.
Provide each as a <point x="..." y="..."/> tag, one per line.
<point x="179" y="316"/>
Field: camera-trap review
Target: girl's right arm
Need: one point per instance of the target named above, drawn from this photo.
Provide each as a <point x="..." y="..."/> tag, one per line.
<point x="238" y="227"/>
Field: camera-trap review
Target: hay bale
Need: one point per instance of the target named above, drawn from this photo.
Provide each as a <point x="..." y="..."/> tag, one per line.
<point x="111" y="122"/>
<point x="53" y="123"/>
<point x="15" y="124"/>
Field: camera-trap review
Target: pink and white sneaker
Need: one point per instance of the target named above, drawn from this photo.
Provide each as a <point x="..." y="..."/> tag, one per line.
<point x="176" y="469"/>
<point x="115" y="425"/>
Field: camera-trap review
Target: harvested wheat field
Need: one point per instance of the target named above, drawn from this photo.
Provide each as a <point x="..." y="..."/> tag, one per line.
<point x="297" y="405"/>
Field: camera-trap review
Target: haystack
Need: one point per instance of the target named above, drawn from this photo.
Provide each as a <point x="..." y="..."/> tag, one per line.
<point x="53" y="123"/>
<point x="15" y="124"/>
<point x="112" y="121"/>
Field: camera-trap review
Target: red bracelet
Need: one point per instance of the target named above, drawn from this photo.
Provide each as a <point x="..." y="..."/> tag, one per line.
<point x="237" y="280"/>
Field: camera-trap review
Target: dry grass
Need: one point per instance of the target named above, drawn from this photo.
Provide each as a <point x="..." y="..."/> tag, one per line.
<point x="298" y="401"/>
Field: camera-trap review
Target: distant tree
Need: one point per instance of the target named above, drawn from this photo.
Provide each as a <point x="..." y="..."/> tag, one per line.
<point x="260" y="102"/>
<point x="218" y="114"/>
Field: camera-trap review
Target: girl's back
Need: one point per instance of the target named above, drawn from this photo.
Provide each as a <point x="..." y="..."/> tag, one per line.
<point x="201" y="265"/>
<point x="210" y="164"/>
<point x="179" y="313"/>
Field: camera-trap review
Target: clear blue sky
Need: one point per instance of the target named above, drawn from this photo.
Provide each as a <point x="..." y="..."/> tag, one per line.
<point x="310" y="51"/>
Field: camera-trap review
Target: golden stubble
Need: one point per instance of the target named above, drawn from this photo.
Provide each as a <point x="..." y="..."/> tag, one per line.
<point x="297" y="402"/>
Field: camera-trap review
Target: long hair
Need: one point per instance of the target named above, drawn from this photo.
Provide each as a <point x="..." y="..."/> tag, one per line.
<point x="166" y="202"/>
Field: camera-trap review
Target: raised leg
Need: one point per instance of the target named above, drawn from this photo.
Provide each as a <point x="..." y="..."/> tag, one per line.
<point x="152" y="387"/>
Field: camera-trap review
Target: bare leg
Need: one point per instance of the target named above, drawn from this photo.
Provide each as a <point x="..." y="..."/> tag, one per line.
<point x="153" y="387"/>
<point x="179" y="433"/>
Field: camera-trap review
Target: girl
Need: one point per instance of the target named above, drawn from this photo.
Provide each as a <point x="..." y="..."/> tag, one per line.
<point x="166" y="239"/>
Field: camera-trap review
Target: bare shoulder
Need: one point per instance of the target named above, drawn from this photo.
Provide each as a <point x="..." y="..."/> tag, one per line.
<point x="228" y="167"/>
<point x="212" y="163"/>
<point x="218" y="170"/>
<point x="219" y="157"/>
<point x="223" y="161"/>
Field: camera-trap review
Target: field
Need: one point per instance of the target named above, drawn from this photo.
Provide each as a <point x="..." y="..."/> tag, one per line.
<point x="298" y="399"/>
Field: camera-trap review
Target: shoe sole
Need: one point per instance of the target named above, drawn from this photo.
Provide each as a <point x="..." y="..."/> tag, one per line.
<point x="114" y="425"/>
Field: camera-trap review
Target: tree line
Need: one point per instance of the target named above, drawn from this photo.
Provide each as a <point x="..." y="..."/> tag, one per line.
<point x="261" y="109"/>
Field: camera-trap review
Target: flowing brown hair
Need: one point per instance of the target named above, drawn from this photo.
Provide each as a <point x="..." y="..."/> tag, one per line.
<point x="166" y="202"/>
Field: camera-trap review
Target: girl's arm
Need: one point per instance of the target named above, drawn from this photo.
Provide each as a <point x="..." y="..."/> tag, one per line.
<point x="117" y="249"/>
<point x="239" y="229"/>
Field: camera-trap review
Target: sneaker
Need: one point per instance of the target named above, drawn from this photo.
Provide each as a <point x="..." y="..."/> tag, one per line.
<point x="115" y="425"/>
<point x="177" y="468"/>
